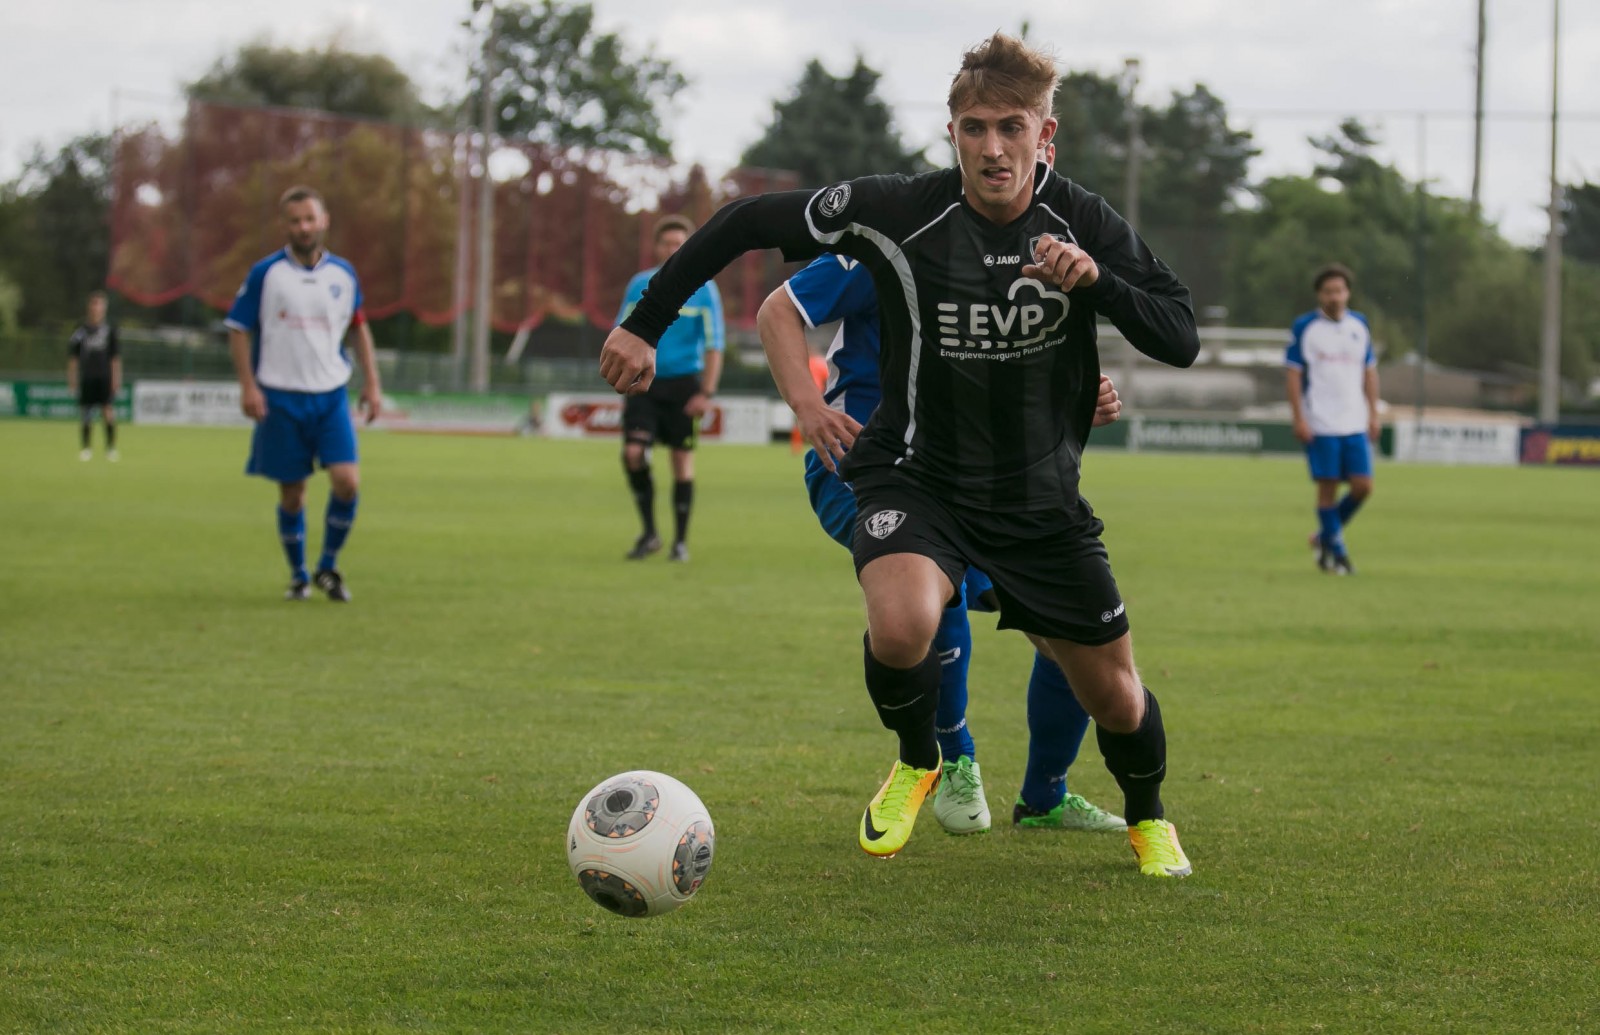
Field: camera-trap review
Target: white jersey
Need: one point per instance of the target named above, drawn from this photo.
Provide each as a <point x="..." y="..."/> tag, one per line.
<point x="297" y="319"/>
<point x="1333" y="357"/>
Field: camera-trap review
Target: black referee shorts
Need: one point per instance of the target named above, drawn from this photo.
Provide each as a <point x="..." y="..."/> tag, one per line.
<point x="1050" y="570"/>
<point x="94" y="391"/>
<point x="657" y="414"/>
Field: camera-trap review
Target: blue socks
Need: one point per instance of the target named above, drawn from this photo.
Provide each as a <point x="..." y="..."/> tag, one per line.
<point x="341" y="515"/>
<point x="1328" y="520"/>
<point x="1056" y="725"/>
<point x="952" y="643"/>
<point x="292" y="533"/>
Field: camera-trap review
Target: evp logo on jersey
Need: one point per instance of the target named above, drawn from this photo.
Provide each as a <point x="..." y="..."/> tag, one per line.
<point x="1023" y="324"/>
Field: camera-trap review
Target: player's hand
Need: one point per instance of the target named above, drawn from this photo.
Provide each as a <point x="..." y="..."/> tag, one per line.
<point x="627" y="362"/>
<point x="1107" y="406"/>
<point x="253" y="403"/>
<point x="698" y="406"/>
<point x="1062" y="264"/>
<point x="1374" y="430"/>
<point x="830" y="432"/>
<point x="372" y="402"/>
<point x="1302" y="430"/>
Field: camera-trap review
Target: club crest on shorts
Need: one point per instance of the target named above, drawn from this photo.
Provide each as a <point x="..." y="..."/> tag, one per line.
<point x="882" y="524"/>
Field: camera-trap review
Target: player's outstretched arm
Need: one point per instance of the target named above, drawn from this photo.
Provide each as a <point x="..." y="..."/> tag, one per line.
<point x="762" y="221"/>
<point x="783" y="339"/>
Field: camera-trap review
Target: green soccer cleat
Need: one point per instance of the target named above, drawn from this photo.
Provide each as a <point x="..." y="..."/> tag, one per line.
<point x="959" y="803"/>
<point x="1074" y="813"/>
<point x="1155" y="845"/>
<point x="886" y="824"/>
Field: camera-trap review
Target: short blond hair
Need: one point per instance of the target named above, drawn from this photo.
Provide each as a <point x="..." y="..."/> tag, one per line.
<point x="1004" y="71"/>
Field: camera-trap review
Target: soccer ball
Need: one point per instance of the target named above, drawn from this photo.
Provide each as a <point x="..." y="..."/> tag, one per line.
<point x="640" y="843"/>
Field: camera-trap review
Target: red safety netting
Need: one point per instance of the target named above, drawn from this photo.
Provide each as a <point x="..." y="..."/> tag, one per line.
<point x="191" y="213"/>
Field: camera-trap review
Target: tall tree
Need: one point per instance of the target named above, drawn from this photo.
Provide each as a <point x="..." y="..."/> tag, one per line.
<point x="834" y="128"/>
<point x="1193" y="166"/>
<point x="560" y="81"/>
<point x="54" y="228"/>
<point x="326" y="78"/>
<point x="1582" y="238"/>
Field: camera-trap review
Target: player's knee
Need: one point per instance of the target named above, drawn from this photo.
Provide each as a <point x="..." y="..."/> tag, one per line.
<point x="900" y="644"/>
<point x="292" y="496"/>
<point x="1360" y="490"/>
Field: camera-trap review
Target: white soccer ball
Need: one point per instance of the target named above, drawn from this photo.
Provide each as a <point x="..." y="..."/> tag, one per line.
<point x="640" y="843"/>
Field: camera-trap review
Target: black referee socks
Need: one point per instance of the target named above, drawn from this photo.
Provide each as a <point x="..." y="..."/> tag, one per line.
<point x="1138" y="761"/>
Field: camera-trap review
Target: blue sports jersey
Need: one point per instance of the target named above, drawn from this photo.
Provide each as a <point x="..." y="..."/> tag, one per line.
<point x="698" y="327"/>
<point x="835" y="288"/>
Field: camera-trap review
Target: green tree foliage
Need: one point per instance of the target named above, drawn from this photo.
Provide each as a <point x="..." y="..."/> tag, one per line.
<point x="326" y="78"/>
<point x="1582" y="216"/>
<point x="1192" y="167"/>
<point x="561" y="82"/>
<point x="833" y="128"/>
<point x="54" y="230"/>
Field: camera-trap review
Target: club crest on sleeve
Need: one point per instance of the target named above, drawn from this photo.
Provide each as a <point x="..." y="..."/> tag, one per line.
<point x="834" y="199"/>
<point x="882" y="524"/>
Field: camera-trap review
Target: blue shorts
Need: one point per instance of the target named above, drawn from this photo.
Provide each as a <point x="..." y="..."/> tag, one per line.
<point x="834" y="503"/>
<point x="1339" y="457"/>
<point x="301" y="431"/>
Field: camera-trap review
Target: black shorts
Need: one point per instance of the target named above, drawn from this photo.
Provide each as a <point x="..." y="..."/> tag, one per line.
<point x="94" y="391"/>
<point x="1050" y="570"/>
<point x="657" y="415"/>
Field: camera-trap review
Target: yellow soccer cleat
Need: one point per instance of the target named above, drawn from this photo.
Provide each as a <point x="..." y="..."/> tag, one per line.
<point x="886" y="824"/>
<point x="1155" y="844"/>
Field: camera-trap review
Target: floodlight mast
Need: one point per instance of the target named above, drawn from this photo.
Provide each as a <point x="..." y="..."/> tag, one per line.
<point x="1550" y="333"/>
<point x="479" y="375"/>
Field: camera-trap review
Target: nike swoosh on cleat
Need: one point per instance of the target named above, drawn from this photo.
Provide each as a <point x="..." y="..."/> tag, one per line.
<point x="975" y="815"/>
<point x="947" y="656"/>
<point x="873" y="833"/>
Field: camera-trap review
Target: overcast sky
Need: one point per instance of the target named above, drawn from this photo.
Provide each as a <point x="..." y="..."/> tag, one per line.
<point x="1285" y="68"/>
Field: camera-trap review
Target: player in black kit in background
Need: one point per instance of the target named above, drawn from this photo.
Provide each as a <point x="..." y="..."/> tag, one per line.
<point x="990" y="277"/>
<point x="94" y="374"/>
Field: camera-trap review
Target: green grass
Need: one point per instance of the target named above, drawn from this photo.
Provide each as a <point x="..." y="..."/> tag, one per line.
<point x="221" y="812"/>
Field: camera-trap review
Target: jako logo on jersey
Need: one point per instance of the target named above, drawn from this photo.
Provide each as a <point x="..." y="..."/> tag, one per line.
<point x="998" y="329"/>
<point x="834" y="199"/>
<point x="882" y="524"/>
<point x="1112" y="614"/>
<point x="1001" y="260"/>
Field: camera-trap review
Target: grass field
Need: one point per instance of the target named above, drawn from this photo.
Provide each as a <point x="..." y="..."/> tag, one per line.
<point x="222" y="812"/>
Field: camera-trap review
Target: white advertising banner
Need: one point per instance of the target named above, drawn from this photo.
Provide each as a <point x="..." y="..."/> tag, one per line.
<point x="745" y="420"/>
<point x="1462" y="441"/>
<point x="187" y="402"/>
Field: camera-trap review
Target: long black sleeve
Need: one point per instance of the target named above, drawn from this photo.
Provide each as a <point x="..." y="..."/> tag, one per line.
<point x="763" y="221"/>
<point x="1137" y="292"/>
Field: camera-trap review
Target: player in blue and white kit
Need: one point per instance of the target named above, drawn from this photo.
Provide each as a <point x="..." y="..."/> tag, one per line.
<point x="1333" y="392"/>
<point x="831" y="289"/>
<point x="688" y="367"/>
<point x="287" y="330"/>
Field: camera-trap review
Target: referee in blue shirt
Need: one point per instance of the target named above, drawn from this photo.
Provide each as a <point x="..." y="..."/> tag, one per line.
<point x="688" y="367"/>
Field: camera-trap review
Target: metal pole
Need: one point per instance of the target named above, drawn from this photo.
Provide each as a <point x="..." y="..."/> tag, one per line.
<point x="480" y="336"/>
<point x="1130" y="209"/>
<point x="1550" y="336"/>
<point x="1477" y="111"/>
<point x="1422" y="266"/>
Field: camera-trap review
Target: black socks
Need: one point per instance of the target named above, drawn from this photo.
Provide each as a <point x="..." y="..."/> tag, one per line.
<point x="682" y="503"/>
<point x="644" y="496"/>
<point x="906" y="699"/>
<point x="1138" y="761"/>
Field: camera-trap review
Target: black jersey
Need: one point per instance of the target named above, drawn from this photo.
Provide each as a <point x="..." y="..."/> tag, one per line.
<point x="989" y="377"/>
<point x="94" y="348"/>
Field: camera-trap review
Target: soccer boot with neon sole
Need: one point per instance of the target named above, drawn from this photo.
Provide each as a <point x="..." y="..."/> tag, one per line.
<point x="1155" y="845"/>
<point x="332" y="583"/>
<point x="887" y="821"/>
<point x="959" y="803"/>
<point x="1074" y="813"/>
